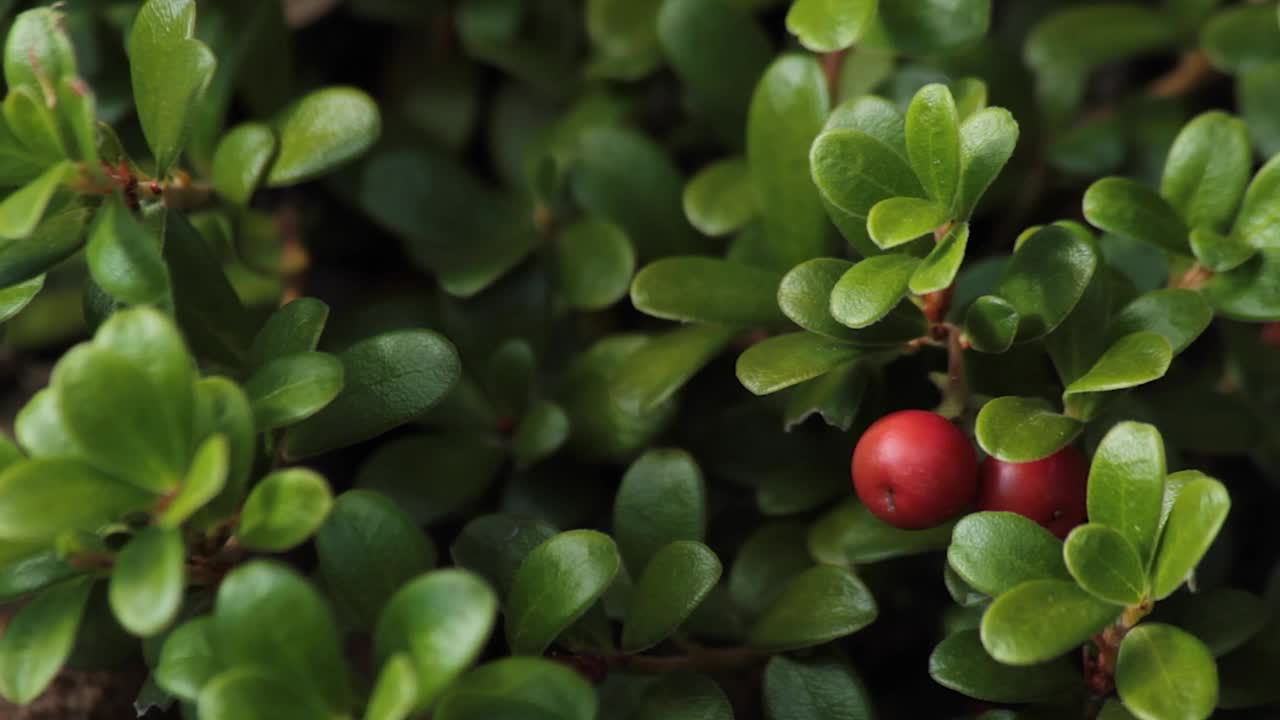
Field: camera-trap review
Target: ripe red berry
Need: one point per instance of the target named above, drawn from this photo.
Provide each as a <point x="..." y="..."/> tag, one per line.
<point x="1050" y="491"/>
<point x="914" y="469"/>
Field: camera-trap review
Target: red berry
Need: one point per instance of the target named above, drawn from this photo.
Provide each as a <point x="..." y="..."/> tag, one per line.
<point x="914" y="469"/>
<point x="1050" y="491"/>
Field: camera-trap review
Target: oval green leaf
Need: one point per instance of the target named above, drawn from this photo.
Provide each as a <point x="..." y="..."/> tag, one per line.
<point x="283" y="510"/>
<point x="998" y="551"/>
<point x="871" y="288"/>
<point x="1163" y="673"/>
<point x="1197" y="515"/>
<point x="1039" y="620"/>
<point x="148" y="581"/>
<point x="322" y="131"/>
<point x="1023" y="429"/>
<point x="817" y="606"/>
<point x="1105" y="564"/>
<point x="785" y="360"/>
<point x="674" y="583"/>
<point x="556" y="584"/>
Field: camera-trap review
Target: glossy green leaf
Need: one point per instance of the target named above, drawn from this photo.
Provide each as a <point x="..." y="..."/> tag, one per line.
<point x="898" y="220"/>
<point x="1207" y="170"/>
<point x="241" y="160"/>
<point x="396" y="691"/>
<point x="648" y="378"/>
<point x="1134" y="359"/>
<point x="221" y="407"/>
<point x="1256" y="224"/>
<point x="1176" y="314"/>
<point x="16" y="297"/>
<point x="938" y="270"/>
<point x="708" y="290"/>
<point x="442" y="620"/>
<point x="929" y="27"/>
<point x="961" y="663"/>
<point x="1224" y="619"/>
<point x="1250" y="292"/>
<point x="788" y="109"/>
<point x="254" y="693"/>
<point x="987" y="140"/>
<point x="494" y="546"/>
<point x="207" y="306"/>
<point x="933" y="142"/>
<point x="785" y="360"/>
<point x="323" y="131"/>
<point x="170" y="71"/>
<point x="684" y="696"/>
<point x="79" y="114"/>
<point x="283" y="510"/>
<point x="148" y="581"/>
<point x="1022" y="429"/>
<point x="292" y="329"/>
<point x="542" y="431"/>
<point x="855" y="169"/>
<point x="367" y="549"/>
<point x="38" y="52"/>
<point x="556" y="584"/>
<point x="124" y="259"/>
<point x="1105" y="564"/>
<point x="1219" y="252"/>
<point x="1126" y="484"/>
<point x="596" y="262"/>
<point x="205" y="478"/>
<point x="460" y="468"/>
<point x="1163" y="673"/>
<point x="871" y="289"/>
<point x="519" y="688"/>
<point x="188" y="660"/>
<point x="266" y="615"/>
<point x="818" y="605"/>
<point x="849" y="534"/>
<point x="673" y="584"/>
<point x="1039" y="620"/>
<point x="662" y="499"/>
<point x="836" y="396"/>
<point x="829" y="25"/>
<point x="998" y="551"/>
<point x="23" y="210"/>
<point x="991" y="324"/>
<point x="1046" y="277"/>
<point x="805" y="298"/>
<point x="1136" y="212"/>
<point x="389" y="380"/>
<point x="290" y="389"/>
<point x="1194" y="521"/>
<point x="39" y="638"/>
<point x="816" y="688"/>
<point x="720" y="198"/>
<point x="765" y="563"/>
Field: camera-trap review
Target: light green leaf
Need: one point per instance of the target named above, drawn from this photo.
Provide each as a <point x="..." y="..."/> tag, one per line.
<point x="771" y="556"/>
<point x="1163" y="673"/>
<point x="205" y="478"/>
<point x="998" y="551"/>
<point x="188" y="660"/>
<point x="148" y="581"/>
<point x="442" y="621"/>
<point x="720" y="198"/>
<point x="1258" y="223"/>
<point x="1194" y="522"/>
<point x="284" y="509"/>
<point x="849" y="534"/>
<point x="707" y="290"/>
<point x="292" y="329"/>
<point x="1039" y="620"/>
<point x="38" y="52"/>
<point x="1126" y="484"/>
<point x="785" y="360"/>
<point x="290" y="389"/>
<point x="871" y="289"/>
<point x="221" y="407"/>
<point x="961" y="663"/>
<point x="625" y="36"/>
<point x="898" y="220"/>
<point x="933" y="142"/>
<point x="1207" y="170"/>
<point x="33" y="499"/>
<point x="252" y="693"/>
<point x="825" y="26"/>
<point x="39" y="637"/>
<point x="123" y="257"/>
<point x="805" y="298"/>
<point x="494" y="546"/>
<point x="987" y="140"/>
<point x="596" y="262"/>
<point x="938" y="270"/>
<point x="820" y="604"/>
<point x="1105" y="564"/>
<point x="321" y="132"/>
<point x="856" y="168"/>
<point x="556" y="584"/>
<point x="1046" y="277"/>
<point x="16" y="297"/>
<point x="1134" y="359"/>
<point x="816" y="688"/>
<point x="1250" y="292"/>
<point x="673" y="584"/>
<point x="1220" y="252"/>
<point x="241" y="161"/>
<point x="1020" y="429"/>
<point x="23" y="209"/>
<point x="396" y="691"/>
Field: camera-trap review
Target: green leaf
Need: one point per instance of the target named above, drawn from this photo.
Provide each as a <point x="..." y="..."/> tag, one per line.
<point x="625" y="37"/>
<point x="462" y="467"/>
<point x="662" y="499"/>
<point x="871" y="289"/>
<point x="1134" y="359"/>
<point x="170" y="72"/>
<point x="54" y="240"/>
<point x="542" y="431"/>
<point x="938" y="270"/>
<point x="805" y="298"/>
<point x="1219" y="252"/>
<point x="16" y="297"/>
<point x="987" y="140"/>
<point x="556" y="584"/>
<point x="323" y="131"/>
<point x="188" y="659"/>
<point x="707" y="290"/>
<point x="79" y="116"/>
<point x="930" y="27"/>
<point x="266" y="615"/>
<point x="1207" y="170"/>
<point x="23" y="209"/>
<point x="1256" y="224"/>
<point x="817" y="606"/>
<point x="788" y="109"/>
<point x="933" y="142"/>
<point x="1046" y="277"/>
<point x="1176" y="314"/>
<point x="849" y="534"/>
<point x="1105" y="564"/>
<point x="648" y="378"/>
<point x="770" y="557"/>
<point x="241" y="160"/>
<point x="396" y="691"/>
<point x="207" y="306"/>
<point x="123" y="257"/>
<point x="389" y="380"/>
<point x="1022" y="429"/>
<point x="221" y="407"/>
<point x="494" y="546"/>
<point x="39" y="637"/>
<point x="206" y="477"/>
<point x="816" y="688"/>
<point x="292" y="329"/>
<point x="250" y="693"/>
<point x="1039" y="620"/>
<point x="519" y="688"/>
<point x="825" y="26"/>
<point x="367" y="549"/>
<point x="720" y="198"/>
<point x="442" y="620"/>
<point x="596" y="262"/>
<point x="837" y="397"/>
<point x="1241" y="37"/>
<point x="1224" y="619"/>
<point x="684" y="696"/>
<point x="290" y="389"/>
<point x="1126" y="484"/>
<point x="284" y="509"/>
<point x="38" y="52"/>
<point x="856" y="168"/>
<point x="1257" y="99"/>
<point x="1135" y="212"/>
<point x="673" y="584"/>
<point x="991" y="324"/>
<point x="785" y="360"/>
<point x="148" y="581"/>
<point x="1163" y="673"/>
<point x="961" y="663"/>
<point x="998" y="551"/>
<point x="1250" y="292"/>
<point x="898" y="220"/>
<point x="1194" y="522"/>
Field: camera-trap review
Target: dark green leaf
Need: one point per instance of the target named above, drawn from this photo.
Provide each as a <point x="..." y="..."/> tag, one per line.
<point x="1136" y="212"/>
<point x="991" y="324"/>
<point x="1193" y="523"/>
<point x="720" y="198"/>
<point x="961" y="663"/>
<point x="1046" y="277"/>
<point x="772" y="555"/>
<point x="662" y="499"/>
<point x="462" y="467"/>
<point x="1176" y="314"/>
<point x="697" y="289"/>
<point x="596" y="262"/>
<point x="1250" y="292"/>
<point x="39" y="637"/>
<point x="785" y="360"/>
<point x="494" y="546"/>
<point x="207" y="307"/>
<point x="684" y="696"/>
<point x="1258" y="100"/>
<point x="1241" y="37"/>
<point x="322" y="131"/>
<point x="556" y="584"/>
<point x="124" y="259"/>
<point x="1163" y="673"/>
<point x="850" y="535"/>
<point x="855" y="169"/>
<point x="294" y="328"/>
<point x="1039" y="620"/>
<point x="674" y="582"/>
<point x="818" y="605"/>
<point x="542" y="431"/>
<point x="805" y="297"/>
<point x="1132" y="360"/>
<point x="837" y="396"/>
<point x="998" y="551"/>
<point x="1256" y="225"/>
<point x="625" y="36"/>
<point x="648" y="378"/>
<point x="284" y="509"/>
<point x="1223" y="618"/>
<point x="926" y="28"/>
<point x="1105" y="564"/>
<point x="148" y="581"/>
<point x="253" y="693"/>
<point x="290" y="389"/>
<point x="818" y="688"/>
<point x="1126" y="483"/>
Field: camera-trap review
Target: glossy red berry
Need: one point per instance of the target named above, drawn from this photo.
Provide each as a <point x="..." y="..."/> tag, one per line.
<point x="914" y="469"/>
<point x="1050" y="491"/>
